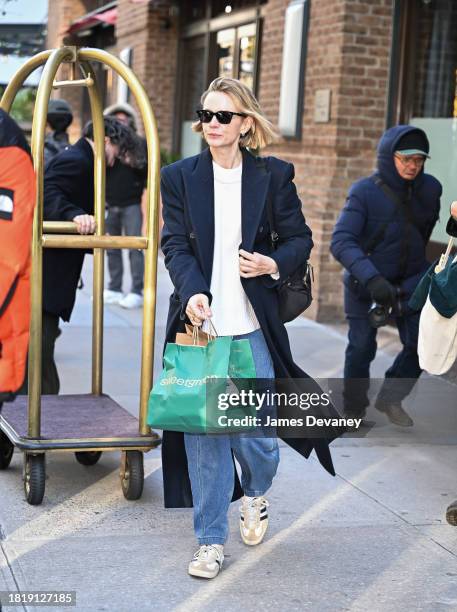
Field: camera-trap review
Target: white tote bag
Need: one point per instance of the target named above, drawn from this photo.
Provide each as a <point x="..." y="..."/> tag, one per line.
<point x="437" y="343"/>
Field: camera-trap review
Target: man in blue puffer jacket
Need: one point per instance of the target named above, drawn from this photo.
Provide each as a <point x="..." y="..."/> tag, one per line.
<point x="380" y="239"/>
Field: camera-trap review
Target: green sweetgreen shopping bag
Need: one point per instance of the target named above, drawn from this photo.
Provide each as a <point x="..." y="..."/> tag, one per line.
<point x="182" y="399"/>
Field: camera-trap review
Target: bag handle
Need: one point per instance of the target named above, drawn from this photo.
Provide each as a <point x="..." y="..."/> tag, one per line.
<point x="445" y="256"/>
<point x="212" y="334"/>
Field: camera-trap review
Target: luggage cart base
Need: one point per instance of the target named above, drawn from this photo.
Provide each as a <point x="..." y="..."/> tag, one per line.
<point x="84" y="424"/>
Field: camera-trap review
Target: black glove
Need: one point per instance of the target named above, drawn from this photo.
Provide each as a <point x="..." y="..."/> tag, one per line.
<point x="382" y="292"/>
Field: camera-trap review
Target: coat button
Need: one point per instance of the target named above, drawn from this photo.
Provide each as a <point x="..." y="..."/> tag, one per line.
<point x="260" y="229"/>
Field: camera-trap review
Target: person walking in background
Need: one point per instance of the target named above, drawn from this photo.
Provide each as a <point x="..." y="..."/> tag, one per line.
<point x="59" y="119"/>
<point x="380" y="238"/>
<point x="125" y="190"/>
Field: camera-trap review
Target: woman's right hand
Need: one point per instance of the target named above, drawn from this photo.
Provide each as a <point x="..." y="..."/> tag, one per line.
<point x="198" y="309"/>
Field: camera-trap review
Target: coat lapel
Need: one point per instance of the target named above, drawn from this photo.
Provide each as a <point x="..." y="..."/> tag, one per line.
<point x="254" y="190"/>
<point x="199" y="186"/>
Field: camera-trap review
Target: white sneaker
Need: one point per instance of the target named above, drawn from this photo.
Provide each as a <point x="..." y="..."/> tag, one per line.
<point x="207" y="561"/>
<point x="131" y="300"/>
<point x="253" y="519"/>
<point x="112" y="297"/>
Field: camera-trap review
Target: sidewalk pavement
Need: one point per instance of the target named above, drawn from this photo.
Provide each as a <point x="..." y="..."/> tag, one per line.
<point x="372" y="538"/>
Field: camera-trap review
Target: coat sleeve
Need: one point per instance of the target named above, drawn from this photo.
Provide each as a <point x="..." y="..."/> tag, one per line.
<point x="451" y="227"/>
<point x="347" y="240"/>
<point x="295" y="242"/>
<point x="63" y="176"/>
<point x="180" y="261"/>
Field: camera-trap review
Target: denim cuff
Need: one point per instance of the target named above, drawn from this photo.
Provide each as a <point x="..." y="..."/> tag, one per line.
<point x="255" y="493"/>
<point x="211" y="540"/>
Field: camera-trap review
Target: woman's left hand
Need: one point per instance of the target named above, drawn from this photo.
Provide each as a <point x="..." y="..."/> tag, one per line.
<point x="454" y="210"/>
<point x="255" y="264"/>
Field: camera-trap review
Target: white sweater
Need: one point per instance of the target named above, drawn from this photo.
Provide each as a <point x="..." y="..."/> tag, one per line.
<point x="232" y="311"/>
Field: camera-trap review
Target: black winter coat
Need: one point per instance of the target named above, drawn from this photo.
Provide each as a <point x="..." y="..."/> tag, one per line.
<point x="400" y="255"/>
<point x="187" y="190"/>
<point x="68" y="192"/>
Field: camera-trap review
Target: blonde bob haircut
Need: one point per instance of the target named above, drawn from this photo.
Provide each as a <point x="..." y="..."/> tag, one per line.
<point x="262" y="132"/>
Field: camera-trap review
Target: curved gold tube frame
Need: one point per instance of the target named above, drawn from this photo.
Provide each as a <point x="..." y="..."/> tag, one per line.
<point x="61" y="237"/>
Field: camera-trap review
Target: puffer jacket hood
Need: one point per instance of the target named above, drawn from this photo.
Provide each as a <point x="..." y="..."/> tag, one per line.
<point x="386" y="149"/>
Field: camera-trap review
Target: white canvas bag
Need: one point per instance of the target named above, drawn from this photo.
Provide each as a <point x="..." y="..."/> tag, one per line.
<point x="437" y="343"/>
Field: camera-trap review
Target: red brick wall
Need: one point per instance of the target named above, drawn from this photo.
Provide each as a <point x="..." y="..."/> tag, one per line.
<point x="153" y="36"/>
<point x="61" y="13"/>
<point x="348" y="52"/>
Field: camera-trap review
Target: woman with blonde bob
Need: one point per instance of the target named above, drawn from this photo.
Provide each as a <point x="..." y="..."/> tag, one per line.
<point x="217" y="247"/>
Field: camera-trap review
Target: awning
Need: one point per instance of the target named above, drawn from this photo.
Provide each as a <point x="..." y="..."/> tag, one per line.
<point x="90" y="20"/>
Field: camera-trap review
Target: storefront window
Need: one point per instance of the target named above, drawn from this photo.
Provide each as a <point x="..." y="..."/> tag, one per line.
<point x="217" y="47"/>
<point x="247" y="40"/>
<point x="225" y="52"/>
<point x="236" y="48"/>
<point x="436" y="60"/>
<point x="425" y="94"/>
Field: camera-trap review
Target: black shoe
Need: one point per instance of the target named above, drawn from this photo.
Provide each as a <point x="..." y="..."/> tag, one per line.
<point x="395" y="413"/>
<point x="451" y="514"/>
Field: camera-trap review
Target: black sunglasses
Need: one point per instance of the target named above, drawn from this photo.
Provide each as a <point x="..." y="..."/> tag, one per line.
<point x="224" y="117"/>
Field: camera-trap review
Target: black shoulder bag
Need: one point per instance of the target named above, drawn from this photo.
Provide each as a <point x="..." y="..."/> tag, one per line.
<point x="295" y="292"/>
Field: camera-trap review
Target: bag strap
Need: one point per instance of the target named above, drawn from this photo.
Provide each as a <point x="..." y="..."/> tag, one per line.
<point x="378" y="236"/>
<point x="399" y="204"/>
<point x="261" y="163"/>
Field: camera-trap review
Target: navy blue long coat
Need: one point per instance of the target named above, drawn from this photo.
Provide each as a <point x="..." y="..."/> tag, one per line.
<point x="367" y="208"/>
<point x="187" y="188"/>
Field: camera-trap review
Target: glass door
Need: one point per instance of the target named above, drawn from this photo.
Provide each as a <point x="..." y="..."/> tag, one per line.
<point x="429" y="84"/>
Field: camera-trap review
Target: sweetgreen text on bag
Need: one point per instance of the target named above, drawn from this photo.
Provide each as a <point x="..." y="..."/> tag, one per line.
<point x="182" y="399"/>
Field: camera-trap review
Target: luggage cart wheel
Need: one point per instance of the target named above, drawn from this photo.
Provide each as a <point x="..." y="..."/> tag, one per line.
<point x="6" y="451"/>
<point x="34" y="478"/>
<point x="132" y="474"/>
<point x="88" y="458"/>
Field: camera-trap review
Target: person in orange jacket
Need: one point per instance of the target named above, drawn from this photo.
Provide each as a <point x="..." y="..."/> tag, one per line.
<point x="17" y="201"/>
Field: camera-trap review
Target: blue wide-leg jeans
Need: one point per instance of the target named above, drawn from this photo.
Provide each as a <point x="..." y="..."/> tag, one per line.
<point x="211" y="469"/>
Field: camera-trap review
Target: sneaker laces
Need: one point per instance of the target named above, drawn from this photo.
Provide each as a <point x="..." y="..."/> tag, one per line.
<point x="205" y="552"/>
<point x="251" y="510"/>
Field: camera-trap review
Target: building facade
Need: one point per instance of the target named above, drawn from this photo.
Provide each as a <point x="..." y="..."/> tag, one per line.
<point x="354" y="67"/>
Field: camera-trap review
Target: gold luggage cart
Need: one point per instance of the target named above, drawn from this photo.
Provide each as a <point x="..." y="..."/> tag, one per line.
<point x="93" y="423"/>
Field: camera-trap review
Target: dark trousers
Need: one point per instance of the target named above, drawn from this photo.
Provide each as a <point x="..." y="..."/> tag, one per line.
<point x="50" y="383"/>
<point x="400" y="378"/>
<point x="127" y="220"/>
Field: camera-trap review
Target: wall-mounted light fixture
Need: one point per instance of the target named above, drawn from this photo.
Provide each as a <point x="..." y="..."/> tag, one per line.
<point x="293" y="68"/>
